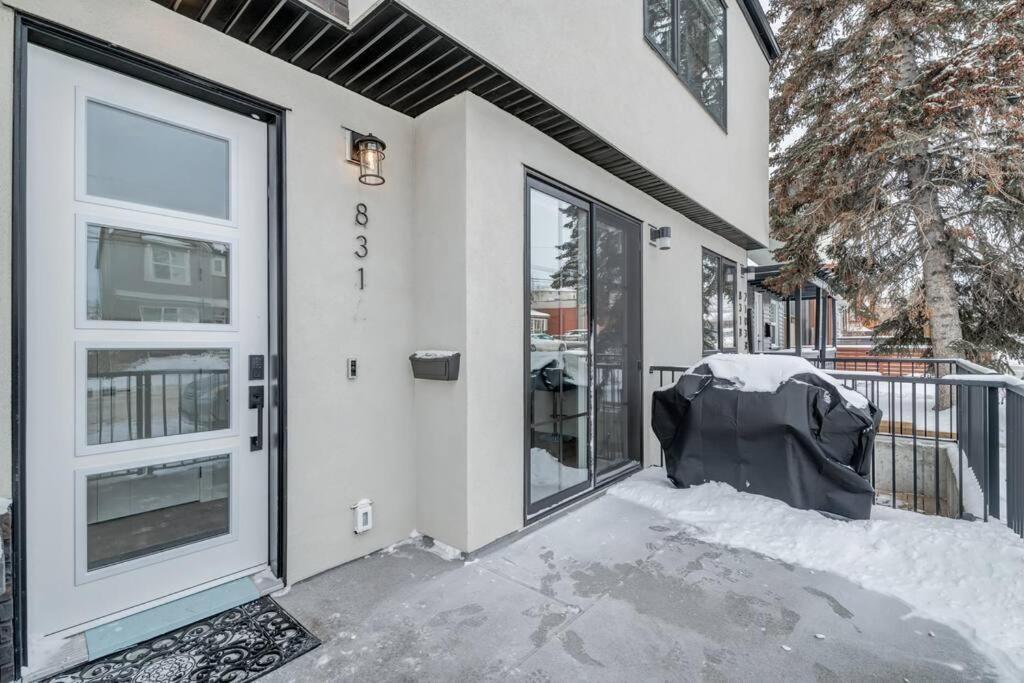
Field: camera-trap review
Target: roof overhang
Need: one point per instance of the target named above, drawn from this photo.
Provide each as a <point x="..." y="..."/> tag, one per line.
<point x="399" y="60"/>
<point x="821" y="280"/>
<point x="762" y="29"/>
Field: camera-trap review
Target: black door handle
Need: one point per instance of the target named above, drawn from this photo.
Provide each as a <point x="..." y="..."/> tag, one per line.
<point x="256" y="401"/>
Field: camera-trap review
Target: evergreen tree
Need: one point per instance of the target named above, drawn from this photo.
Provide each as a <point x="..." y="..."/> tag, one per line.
<point x="897" y="132"/>
<point x="568" y="274"/>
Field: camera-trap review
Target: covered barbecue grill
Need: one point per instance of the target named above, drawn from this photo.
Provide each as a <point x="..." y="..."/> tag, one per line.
<point x="770" y="425"/>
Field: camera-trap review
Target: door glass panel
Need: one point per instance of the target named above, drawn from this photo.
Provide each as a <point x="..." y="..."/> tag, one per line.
<point x="611" y="330"/>
<point x="728" y="306"/>
<point x="143" y="510"/>
<point x="135" y="276"/>
<point x="148" y="393"/>
<point x="558" y="385"/>
<point x="709" y="302"/>
<point x="558" y="457"/>
<point x="138" y="159"/>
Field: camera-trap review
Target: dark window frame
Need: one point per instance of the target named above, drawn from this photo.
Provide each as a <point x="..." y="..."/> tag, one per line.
<point x="722" y="263"/>
<point x="672" y="60"/>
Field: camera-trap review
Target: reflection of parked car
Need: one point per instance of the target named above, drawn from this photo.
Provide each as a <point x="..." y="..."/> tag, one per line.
<point x="205" y="401"/>
<point x="545" y="342"/>
<point x="576" y="339"/>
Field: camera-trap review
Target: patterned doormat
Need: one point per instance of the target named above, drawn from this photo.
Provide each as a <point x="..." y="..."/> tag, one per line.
<point x="240" y="644"/>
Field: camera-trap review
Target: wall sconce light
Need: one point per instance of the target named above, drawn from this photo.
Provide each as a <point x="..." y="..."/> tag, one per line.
<point x="661" y="237"/>
<point x="368" y="151"/>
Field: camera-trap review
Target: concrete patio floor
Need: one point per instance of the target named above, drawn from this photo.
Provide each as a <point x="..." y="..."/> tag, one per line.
<point x="610" y="591"/>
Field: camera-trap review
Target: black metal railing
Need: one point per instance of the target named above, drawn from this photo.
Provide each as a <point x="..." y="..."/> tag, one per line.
<point x="951" y="440"/>
<point x="144" y="404"/>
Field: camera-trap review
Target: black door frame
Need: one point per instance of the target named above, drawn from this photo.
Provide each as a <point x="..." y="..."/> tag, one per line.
<point x="31" y="30"/>
<point x="536" y="180"/>
<point x="633" y="230"/>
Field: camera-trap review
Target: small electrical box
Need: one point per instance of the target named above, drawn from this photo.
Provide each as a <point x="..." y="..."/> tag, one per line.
<point x="363" y="516"/>
<point x="352" y="368"/>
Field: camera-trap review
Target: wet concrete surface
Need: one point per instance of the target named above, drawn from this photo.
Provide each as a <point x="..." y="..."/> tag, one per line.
<point x="611" y="591"/>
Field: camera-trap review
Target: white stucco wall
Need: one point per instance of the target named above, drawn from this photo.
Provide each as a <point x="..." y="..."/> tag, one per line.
<point x="499" y="149"/>
<point x="589" y="58"/>
<point x="348" y="439"/>
<point x="446" y="250"/>
<point x="440" y="286"/>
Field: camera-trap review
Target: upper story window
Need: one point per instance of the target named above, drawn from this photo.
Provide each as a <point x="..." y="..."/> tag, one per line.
<point x="690" y="36"/>
<point x="718" y="303"/>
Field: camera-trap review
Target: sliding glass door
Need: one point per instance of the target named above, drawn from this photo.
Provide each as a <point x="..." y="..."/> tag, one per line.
<point x="558" y="385"/>
<point x="617" y="370"/>
<point x="583" y="321"/>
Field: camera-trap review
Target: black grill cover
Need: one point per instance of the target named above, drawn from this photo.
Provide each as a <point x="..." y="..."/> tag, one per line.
<point x="801" y="444"/>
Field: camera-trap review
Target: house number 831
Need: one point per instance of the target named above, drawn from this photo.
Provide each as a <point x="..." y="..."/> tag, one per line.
<point x="362" y="219"/>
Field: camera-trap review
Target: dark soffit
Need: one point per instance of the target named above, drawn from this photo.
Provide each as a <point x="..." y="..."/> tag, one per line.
<point x="398" y="59"/>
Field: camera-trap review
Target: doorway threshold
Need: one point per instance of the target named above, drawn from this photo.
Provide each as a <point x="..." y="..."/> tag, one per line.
<point x="585" y="496"/>
<point x="58" y="652"/>
<point x="117" y="635"/>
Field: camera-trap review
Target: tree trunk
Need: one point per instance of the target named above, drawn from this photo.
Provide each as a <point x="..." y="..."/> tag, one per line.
<point x="940" y="295"/>
<point x="936" y="273"/>
<point x="936" y="252"/>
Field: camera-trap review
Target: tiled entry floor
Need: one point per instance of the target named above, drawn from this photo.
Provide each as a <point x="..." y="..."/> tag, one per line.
<point x="610" y="591"/>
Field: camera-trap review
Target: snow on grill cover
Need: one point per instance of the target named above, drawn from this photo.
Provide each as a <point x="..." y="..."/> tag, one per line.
<point x="770" y="425"/>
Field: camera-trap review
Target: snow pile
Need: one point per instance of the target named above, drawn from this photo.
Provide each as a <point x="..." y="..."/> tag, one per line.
<point x="430" y="354"/>
<point x="761" y="373"/>
<point x="969" y="575"/>
<point x="443" y="550"/>
<point x="191" y="362"/>
<point x="548" y="476"/>
<point x="430" y="544"/>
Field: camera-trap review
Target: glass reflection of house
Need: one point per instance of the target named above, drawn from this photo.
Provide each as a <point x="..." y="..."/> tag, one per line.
<point x="564" y="315"/>
<point x="539" y="321"/>
<point x="143" y="277"/>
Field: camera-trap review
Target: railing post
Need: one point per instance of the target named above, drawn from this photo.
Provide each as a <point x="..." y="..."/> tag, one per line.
<point x="798" y="333"/>
<point x="992" y="449"/>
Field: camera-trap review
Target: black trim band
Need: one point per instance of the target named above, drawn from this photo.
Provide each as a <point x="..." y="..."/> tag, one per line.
<point x="401" y="61"/>
<point x="762" y="29"/>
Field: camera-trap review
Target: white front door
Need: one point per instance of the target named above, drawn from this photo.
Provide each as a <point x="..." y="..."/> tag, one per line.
<point x="147" y="294"/>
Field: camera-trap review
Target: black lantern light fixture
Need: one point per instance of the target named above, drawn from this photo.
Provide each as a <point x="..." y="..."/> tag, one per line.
<point x="368" y="152"/>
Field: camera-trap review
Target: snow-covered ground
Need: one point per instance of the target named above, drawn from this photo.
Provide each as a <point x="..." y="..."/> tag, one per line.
<point x="548" y="476"/>
<point x="901" y="402"/>
<point x="969" y="575"/>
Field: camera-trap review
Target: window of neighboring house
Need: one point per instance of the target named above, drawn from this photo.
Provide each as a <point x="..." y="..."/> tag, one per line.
<point x="807" y="311"/>
<point x="831" y="322"/>
<point x="718" y="296"/>
<point x="690" y="36"/>
<point x="219" y="266"/>
<point x="169" y="314"/>
<point x="167" y="264"/>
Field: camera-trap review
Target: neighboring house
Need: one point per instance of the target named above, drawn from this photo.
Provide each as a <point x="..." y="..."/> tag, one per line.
<point x="777" y="323"/>
<point x="134" y="277"/>
<point x="213" y="316"/>
<point x="562" y="309"/>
